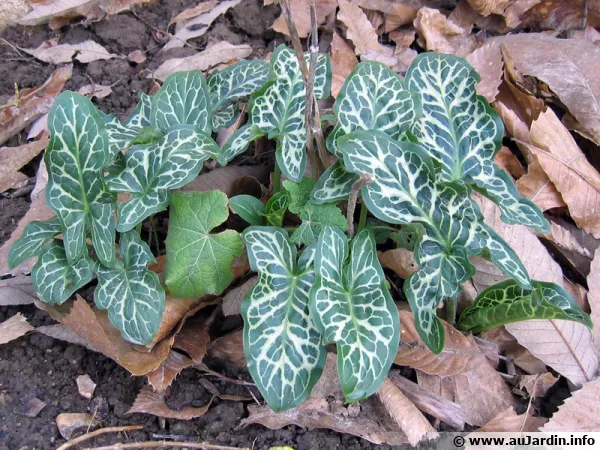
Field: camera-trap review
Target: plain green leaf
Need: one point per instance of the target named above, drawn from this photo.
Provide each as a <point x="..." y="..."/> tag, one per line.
<point x="249" y="208"/>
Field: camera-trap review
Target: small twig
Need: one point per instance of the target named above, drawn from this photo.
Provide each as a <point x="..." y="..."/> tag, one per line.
<point x="158" y="444"/>
<point x="93" y="434"/>
<point x="531" y="395"/>
<point x="356" y="187"/>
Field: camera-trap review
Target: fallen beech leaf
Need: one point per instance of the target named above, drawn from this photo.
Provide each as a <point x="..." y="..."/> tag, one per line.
<point x="137" y="56"/>
<point x="509" y="162"/>
<point x="325" y="408"/>
<point x="85" y="386"/>
<point x="198" y="26"/>
<point x="229" y="348"/>
<point x="195" y="11"/>
<point x="360" y="31"/>
<point x="487" y="7"/>
<point x="12" y="159"/>
<point x="17" y="291"/>
<point x="150" y="402"/>
<point x="567" y="167"/>
<point x="58" y="9"/>
<point x="537" y="187"/>
<point x="522" y="357"/>
<point x="399" y="14"/>
<point x="95" y="91"/>
<point x="410" y="420"/>
<point x="301" y="16"/>
<point x="246" y="185"/>
<point x="580" y="412"/>
<point x="440" y="34"/>
<point x="455" y="358"/>
<point x="12" y="10"/>
<point x="487" y="60"/>
<point x="84" y="52"/>
<point x="403" y="39"/>
<point x="576" y="83"/>
<point x="400" y="260"/>
<point x="63" y="333"/>
<point x="564" y="345"/>
<point x="31" y="408"/>
<point x="343" y="62"/>
<point x="68" y="423"/>
<point x="557" y="15"/>
<point x="508" y="421"/>
<point x="39" y="125"/>
<point x="537" y="385"/>
<point x="118" y="6"/>
<point x="13" y="328"/>
<point x="232" y="301"/>
<point x="224" y="177"/>
<point x="430" y="403"/>
<point x="213" y="55"/>
<point x="593" y="281"/>
<point x="32" y="104"/>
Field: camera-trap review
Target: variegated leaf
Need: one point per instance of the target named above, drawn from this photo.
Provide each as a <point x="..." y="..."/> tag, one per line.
<point x="238" y="143"/>
<point x="140" y="117"/>
<point x="54" y="279"/>
<point x="235" y="83"/>
<point x="132" y="294"/>
<point x="462" y="132"/>
<point x="120" y="137"/>
<point x="35" y="236"/>
<point x="279" y="109"/>
<point x="76" y="155"/>
<point x="182" y="100"/>
<point x="151" y="171"/>
<point x="352" y="306"/>
<point x="282" y="344"/>
<point x="403" y="191"/>
<point x="507" y="302"/>
<point x="335" y="184"/>
<point x="276" y="207"/>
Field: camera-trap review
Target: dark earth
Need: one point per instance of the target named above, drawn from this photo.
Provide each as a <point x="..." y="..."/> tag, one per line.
<point x="38" y="366"/>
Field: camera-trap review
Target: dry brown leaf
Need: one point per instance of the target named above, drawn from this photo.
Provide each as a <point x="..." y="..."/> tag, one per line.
<point x="399" y="14"/>
<point x="301" y="16"/>
<point x="68" y="423"/>
<point x="360" y="31"/>
<point x="487" y="7"/>
<point x="593" y="281"/>
<point x="430" y="403"/>
<point x="85" y="386"/>
<point x="506" y="160"/>
<point x="17" y="291"/>
<point x="12" y="159"/>
<point x="581" y="412"/>
<point x="229" y="348"/>
<point x="195" y="11"/>
<point x="224" y="177"/>
<point x="456" y="357"/>
<point x="438" y="33"/>
<point x="118" y="6"/>
<point x="95" y="90"/>
<point x="343" y="62"/>
<point x="487" y="60"/>
<point x="62" y="333"/>
<point x="198" y="26"/>
<point x="32" y="104"/>
<point x="150" y="402"/>
<point x="537" y="385"/>
<point x="403" y="39"/>
<point x="400" y="260"/>
<point x="567" y="167"/>
<point x="537" y="187"/>
<point x="11" y="11"/>
<point x="325" y="408"/>
<point x="509" y="421"/>
<point x="137" y="56"/>
<point x="215" y="54"/>
<point x="552" y="14"/>
<point x="59" y="9"/>
<point x="84" y="52"/>
<point x="31" y="407"/>
<point x="410" y="420"/>
<point x="232" y="301"/>
<point x="576" y="84"/>
<point x="13" y="328"/>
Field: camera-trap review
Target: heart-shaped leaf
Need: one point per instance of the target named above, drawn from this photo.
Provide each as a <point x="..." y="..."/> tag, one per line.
<point x="235" y="83"/>
<point x="35" y="236"/>
<point x="54" y="279"/>
<point x="281" y="342"/>
<point x="462" y="132"/>
<point x="151" y="171"/>
<point x="238" y="142"/>
<point x="199" y="262"/>
<point x="353" y="308"/>
<point x="507" y="302"/>
<point x="131" y="293"/>
<point x="249" y="208"/>
<point x="76" y="155"/>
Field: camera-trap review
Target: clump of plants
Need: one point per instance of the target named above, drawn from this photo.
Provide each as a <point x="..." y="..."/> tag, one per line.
<point x="410" y="151"/>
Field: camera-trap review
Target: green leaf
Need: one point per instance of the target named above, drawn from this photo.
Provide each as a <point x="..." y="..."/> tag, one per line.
<point x="199" y="262"/>
<point x="276" y="207"/>
<point x="152" y="171"/>
<point x="182" y="100"/>
<point x="403" y="191"/>
<point x="76" y="155"/>
<point x="54" y="279"/>
<point x="281" y="342"/>
<point x="233" y="84"/>
<point x="238" y="143"/>
<point x="352" y="306"/>
<point x="299" y="193"/>
<point x="462" y="132"/>
<point x="279" y="108"/>
<point x="507" y="302"/>
<point x="131" y="293"/>
<point x="335" y="184"/>
<point x="249" y="208"/>
<point x="34" y="238"/>
<point x="141" y="115"/>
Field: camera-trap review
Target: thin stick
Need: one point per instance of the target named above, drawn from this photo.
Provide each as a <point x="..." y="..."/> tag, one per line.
<point x="356" y="187"/>
<point x="93" y="434"/>
<point x="157" y="444"/>
<point x="362" y="222"/>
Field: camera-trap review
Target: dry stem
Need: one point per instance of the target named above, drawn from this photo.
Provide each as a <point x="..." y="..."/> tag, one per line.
<point x="158" y="444"/>
<point x="93" y="434"/>
<point x="352" y="199"/>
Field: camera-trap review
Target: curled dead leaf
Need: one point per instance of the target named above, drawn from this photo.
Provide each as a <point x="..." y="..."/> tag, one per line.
<point x="487" y="60"/>
<point x="400" y="260"/>
<point x="84" y="52"/>
<point x="581" y="412"/>
<point x="150" y="402"/>
<point x="12" y="159"/>
<point x="343" y="62"/>
<point x="232" y="301"/>
<point x="537" y="385"/>
<point x="487" y="7"/>
<point x="17" y="291"/>
<point x="438" y="33"/>
<point x="301" y="16"/>
<point x="68" y="423"/>
<point x="13" y="328"/>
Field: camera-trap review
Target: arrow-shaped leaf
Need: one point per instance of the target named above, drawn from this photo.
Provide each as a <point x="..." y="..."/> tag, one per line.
<point x="353" y="308"/>
<point x="281" y="342"/>
<point x="76" y="155"/>
<point x="151" y="171"/>
<point x="34" y="238"/>
<point x="131" y="293"/>
<point x="462" y="132"/>
<point x="507" y="302"/>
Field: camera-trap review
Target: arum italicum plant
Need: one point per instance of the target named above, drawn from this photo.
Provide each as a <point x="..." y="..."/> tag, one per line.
<point x="412" y="149"/>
